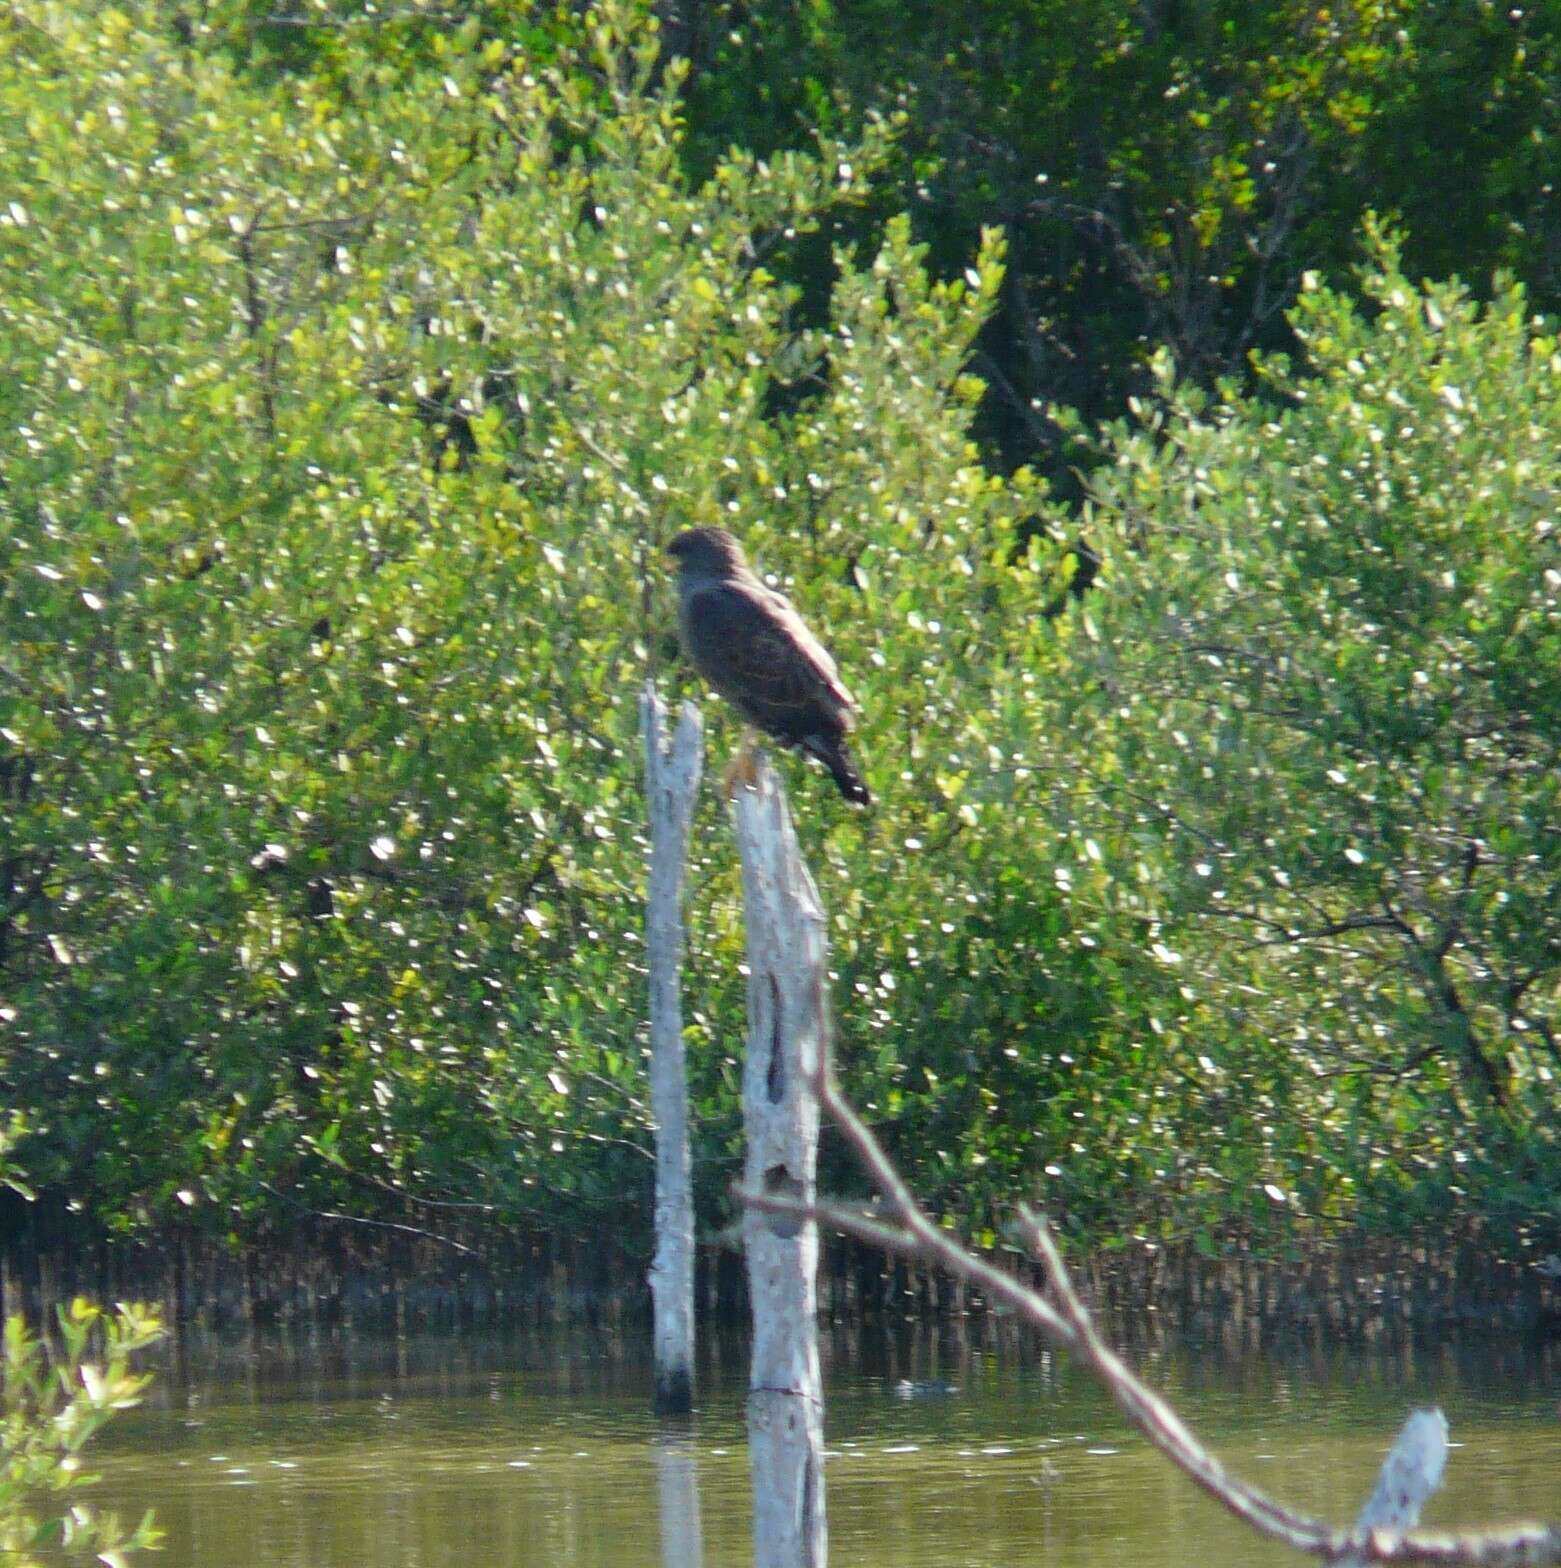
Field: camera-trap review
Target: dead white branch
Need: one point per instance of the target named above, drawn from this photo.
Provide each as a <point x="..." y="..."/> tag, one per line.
<point x="671" y="789"/>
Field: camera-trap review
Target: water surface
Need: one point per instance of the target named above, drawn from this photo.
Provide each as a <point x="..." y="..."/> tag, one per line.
<point x="541" y="1450"/>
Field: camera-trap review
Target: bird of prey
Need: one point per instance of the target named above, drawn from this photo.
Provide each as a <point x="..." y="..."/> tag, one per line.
<point x="753" y="648"/>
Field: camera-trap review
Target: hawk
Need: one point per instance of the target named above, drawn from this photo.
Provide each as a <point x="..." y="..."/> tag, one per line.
<point x="753" y="648"/>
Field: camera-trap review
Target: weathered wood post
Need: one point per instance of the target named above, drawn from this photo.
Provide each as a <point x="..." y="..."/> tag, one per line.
<point x="671" y="788"/>
<point x="788" y="1037"/>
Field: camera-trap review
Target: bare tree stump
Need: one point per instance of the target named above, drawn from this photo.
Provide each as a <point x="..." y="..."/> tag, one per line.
<point x="787" y="1043"/>
<point x="671" y="789"/>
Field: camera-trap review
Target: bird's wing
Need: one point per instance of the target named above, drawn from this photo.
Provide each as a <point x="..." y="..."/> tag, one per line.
<point x="754" y="648"/>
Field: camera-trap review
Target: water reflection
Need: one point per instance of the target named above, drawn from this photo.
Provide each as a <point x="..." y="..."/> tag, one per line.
<point x="677" y="1498"/>
<point x="955" y="1447"/>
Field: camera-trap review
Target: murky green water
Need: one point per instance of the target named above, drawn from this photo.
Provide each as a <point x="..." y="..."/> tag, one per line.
<point x="460" y="1452"/>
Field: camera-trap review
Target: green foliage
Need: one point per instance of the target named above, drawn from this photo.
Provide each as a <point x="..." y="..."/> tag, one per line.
<point x="10" y="1173"/>
<point x="1466" y="148"/>
<point x="332" y="40"/>
<point x="1329" y="699"/>
<point x="345" y="412"/>
<point x="1164" y="172"/>
<point x="51" y="1406"/>
<point x="341" y="433"/>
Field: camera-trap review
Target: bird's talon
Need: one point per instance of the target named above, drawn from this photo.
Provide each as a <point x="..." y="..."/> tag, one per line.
<point x="742" y="772"/>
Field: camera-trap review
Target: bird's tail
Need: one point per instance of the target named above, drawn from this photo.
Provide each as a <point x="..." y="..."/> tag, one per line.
<point x="835" y="757"/>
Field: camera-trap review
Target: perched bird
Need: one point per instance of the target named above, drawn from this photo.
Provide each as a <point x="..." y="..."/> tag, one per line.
<point x="753" y="648"/>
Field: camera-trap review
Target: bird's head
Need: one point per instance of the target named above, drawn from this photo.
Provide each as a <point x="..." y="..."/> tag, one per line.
<point x="707" y="552"/>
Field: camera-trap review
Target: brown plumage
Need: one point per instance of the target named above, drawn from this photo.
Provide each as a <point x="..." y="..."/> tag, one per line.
<point x="753" y="648"/>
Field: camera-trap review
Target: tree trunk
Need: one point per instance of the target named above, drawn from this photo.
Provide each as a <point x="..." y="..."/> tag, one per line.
<point x="787" y="1041"/>
<point x="671" y="788"/>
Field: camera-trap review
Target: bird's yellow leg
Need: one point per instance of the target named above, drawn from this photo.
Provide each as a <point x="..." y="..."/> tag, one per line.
<point x="743" y="770"/>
